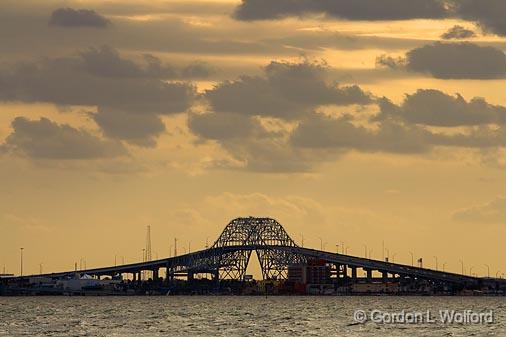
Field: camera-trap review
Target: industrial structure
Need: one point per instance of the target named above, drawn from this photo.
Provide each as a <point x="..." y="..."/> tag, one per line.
<point x="301" y="270"/>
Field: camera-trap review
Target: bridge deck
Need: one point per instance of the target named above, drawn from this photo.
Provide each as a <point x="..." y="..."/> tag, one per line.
<point x="185" y="260"/>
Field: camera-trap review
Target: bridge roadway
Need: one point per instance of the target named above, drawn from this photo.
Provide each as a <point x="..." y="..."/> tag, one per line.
<point x="184" y="263"/>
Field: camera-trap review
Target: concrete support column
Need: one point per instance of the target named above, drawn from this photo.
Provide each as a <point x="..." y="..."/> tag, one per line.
<point x="384" y="275"/>
<point x="155" y="274"/>
<point x="354" y="274"/>
<point x="369" y="275"/>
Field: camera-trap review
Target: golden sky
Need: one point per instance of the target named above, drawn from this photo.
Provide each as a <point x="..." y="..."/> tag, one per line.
<point x="356" y="122"/>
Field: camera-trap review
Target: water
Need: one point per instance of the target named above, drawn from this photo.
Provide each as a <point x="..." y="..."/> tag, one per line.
<point x="235" y="316"/>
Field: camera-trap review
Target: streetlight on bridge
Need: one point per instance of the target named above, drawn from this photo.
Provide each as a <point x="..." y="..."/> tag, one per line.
<point x="21" y="264"/>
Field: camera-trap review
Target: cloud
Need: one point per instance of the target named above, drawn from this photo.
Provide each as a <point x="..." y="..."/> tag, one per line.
<point x="435" y="108"/>
<point x="457" y="61"/>
<point x="287" y="209"/>
<point x="493" y="212"/>
<point x="72" y="18"/>
<point x="223" y="126"/>
<point x="322" y="132"/>
<point x="489" y="14"/>
<point x="345" y="9"/>
<point x="288" y="91"/>
<point x="458" y="32"/>
<point x="138" y="129"/>
<point x="77" y="81"/>
<point x="101" y="77"/>
<point x="45" y="139"/>
<point x="107" y="62"/>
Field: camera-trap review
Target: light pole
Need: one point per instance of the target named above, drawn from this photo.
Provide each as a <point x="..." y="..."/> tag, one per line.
<point x="365" y="249"/>
<point x="435" y="257"/>
<point x="370" y="253"/>
<point x="488" y="270"/>
<point x="337" y="248"/>
<point x="321" y="243"/>
<point x="471" y="271"/>
<point x="412" y="259"/>
<point x="462" y="264"/>
<point x="497" y="274"/>
<point x="302" y="240"/>
<point x="383" y="249"/>
<point x="386" y="257"/>
<point x="21" y="250"/>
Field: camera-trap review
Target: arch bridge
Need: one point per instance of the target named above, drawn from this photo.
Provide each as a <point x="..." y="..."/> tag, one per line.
<point x="230" y="254"/>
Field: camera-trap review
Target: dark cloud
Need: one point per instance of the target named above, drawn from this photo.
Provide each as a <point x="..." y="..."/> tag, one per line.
<point x="223" y="126"/>
<point x="489" y="14"/>
<point x="346" y="9"/>
<point x="390" y="62"/>
<point x="135" y="128"/>
<point x="288" y="91"/>
<point x="457" y="61"/>
<point x="106" y="61"/>
<point x="458" y="32"/>
<point x="45" y="139"/>
<point x="319" y="131"/>
<point x="435" y="108"/>
<point x="101" y="78"/>
<point x="197" y="70"/>
<point x="68" y="17"/>
<point x="77" y="81"/>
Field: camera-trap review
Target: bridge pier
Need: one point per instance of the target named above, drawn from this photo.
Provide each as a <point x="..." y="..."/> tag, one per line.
<point x="354" y="274"/>
<point x="368" y="275"/>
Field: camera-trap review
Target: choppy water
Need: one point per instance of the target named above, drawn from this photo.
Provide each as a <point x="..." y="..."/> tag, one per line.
<point x="235" y="316"/>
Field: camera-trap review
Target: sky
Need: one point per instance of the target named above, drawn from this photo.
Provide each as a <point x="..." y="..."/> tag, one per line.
<point x="363" y="124"/>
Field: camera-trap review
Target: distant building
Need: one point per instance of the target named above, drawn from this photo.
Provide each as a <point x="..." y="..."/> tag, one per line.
<point x="314" y="272"/>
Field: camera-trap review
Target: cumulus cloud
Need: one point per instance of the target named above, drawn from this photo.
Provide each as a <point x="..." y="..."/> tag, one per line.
<point x="458" y="32"/>
<point x="435" y="108"/>
<point x="223" y="126"/>
<point x="138" y="129"/>
<point x="320" y="131"/>
<point x="71" y="18"/>
<point x="100" y="77"/>
<point x="345" y="9"/>
<point x="45" y="139"/>
<point x="489" y="14"/>
<point x="458" y="61"/>
<point x="107" y="61"/>
<point x="493" y="212"/>
<point x="288" y="91"/>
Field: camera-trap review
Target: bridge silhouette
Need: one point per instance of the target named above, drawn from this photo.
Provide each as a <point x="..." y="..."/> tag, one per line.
<point x="230" y="254"/>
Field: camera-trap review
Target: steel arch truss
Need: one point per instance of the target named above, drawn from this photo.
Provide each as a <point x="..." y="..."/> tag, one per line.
<point x="262" y="235"/>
